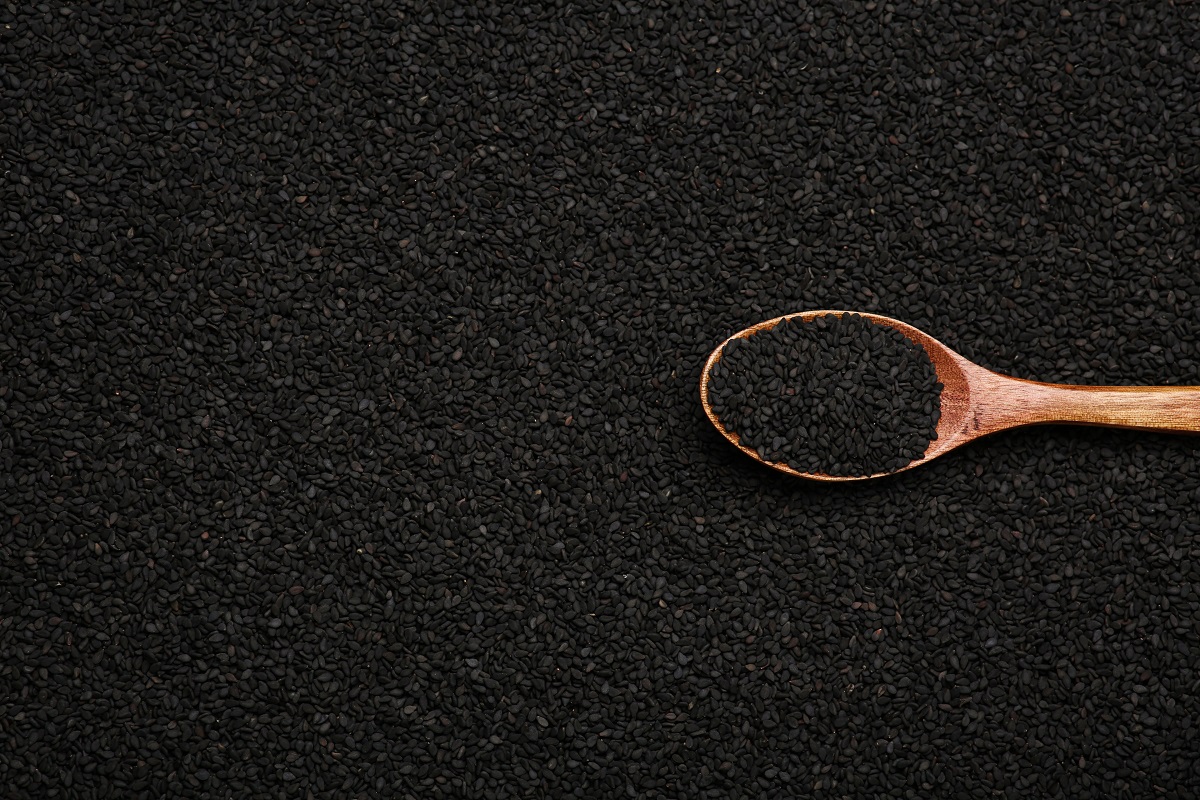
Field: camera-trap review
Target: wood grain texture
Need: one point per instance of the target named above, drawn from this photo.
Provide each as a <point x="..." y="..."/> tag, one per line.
<point x="976" y="402"/>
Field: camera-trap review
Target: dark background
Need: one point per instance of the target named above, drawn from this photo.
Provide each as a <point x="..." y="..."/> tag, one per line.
<point x="349" y="434"/>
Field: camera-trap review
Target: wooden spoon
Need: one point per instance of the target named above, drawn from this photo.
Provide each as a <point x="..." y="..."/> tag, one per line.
<point x="977" y="401"/>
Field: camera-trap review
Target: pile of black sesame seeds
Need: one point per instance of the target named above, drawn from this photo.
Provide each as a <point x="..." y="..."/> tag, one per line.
<point x="349" y="438"/>
<point x="835" y="395"/>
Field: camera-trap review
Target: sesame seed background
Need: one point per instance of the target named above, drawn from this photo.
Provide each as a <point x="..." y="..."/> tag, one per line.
<point x="350" y="442"/>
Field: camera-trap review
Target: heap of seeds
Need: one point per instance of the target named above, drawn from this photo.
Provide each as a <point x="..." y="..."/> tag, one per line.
<point x="836" y="395"/>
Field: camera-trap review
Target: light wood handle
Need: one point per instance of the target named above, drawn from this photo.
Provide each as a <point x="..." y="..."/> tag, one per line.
<point x="1011" y="402"/>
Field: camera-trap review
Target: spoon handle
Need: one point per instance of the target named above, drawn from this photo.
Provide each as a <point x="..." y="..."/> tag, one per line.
<point x="1151" y="408"/>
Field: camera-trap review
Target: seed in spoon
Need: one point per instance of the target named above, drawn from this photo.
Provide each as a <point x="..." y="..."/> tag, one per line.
<point x="832" y="395"/>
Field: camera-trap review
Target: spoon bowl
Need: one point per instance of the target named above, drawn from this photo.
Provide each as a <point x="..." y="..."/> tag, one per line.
<point x="976" y="401"/>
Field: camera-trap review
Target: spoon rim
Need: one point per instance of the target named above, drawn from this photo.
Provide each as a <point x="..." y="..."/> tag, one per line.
<point x="944" y="361"/>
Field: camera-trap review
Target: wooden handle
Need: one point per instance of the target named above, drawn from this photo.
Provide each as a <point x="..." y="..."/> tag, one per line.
<point x="1010" y="402"/>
